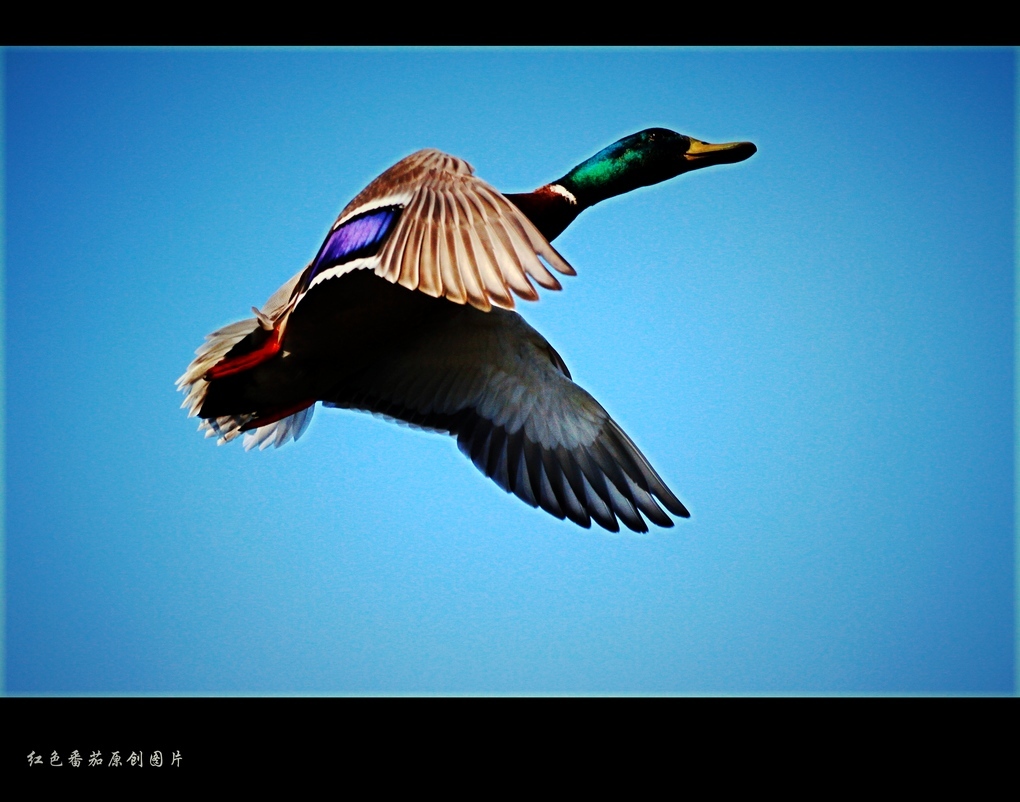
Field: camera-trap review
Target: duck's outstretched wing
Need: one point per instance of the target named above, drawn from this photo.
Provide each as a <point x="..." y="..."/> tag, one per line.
<point x="499" y="387"/>
<point x="429" y="224"/>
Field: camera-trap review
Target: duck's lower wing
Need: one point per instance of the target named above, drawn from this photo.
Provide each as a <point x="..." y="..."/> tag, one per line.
<point x="498" y="386"/>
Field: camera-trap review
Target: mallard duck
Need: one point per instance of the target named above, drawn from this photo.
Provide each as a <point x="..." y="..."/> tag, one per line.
<point x="407" y="311"/>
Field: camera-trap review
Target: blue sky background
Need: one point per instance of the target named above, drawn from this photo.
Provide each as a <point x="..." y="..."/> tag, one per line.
<point x="814" y="348"/>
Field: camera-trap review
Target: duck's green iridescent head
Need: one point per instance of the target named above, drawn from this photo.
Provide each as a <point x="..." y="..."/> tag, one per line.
<point x="645" y="158"/>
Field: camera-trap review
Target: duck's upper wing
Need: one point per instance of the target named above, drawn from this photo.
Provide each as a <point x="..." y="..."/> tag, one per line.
<point x="495" y="383"/>
<point x="429" y="224"/>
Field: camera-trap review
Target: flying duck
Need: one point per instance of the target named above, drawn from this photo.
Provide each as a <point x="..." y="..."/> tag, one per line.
<point x="407" y="311"/>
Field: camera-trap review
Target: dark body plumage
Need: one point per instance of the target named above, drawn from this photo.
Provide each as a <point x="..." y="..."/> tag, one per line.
<point x="346" y="326"/>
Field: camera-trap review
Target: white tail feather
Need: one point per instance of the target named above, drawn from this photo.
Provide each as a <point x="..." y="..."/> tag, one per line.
<point x="225" y="428"/>
<point x="276" y="434"/>
<point x="212" y="351"/>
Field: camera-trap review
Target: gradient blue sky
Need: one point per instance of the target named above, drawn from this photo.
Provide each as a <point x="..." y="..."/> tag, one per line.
<point x="814" y="348"/>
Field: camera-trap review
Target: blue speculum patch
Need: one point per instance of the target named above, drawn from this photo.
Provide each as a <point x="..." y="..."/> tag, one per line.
<point x="359" y="237"/>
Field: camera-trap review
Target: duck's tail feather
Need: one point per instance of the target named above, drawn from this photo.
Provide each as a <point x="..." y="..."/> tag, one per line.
<point x="275" y="434"/>
<point x="225" y="428"/>
<point x="218" y="344"/>
<point x="215" y="347"/>
<point x="280" y="432"/>
<point x="288" y="424"/>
